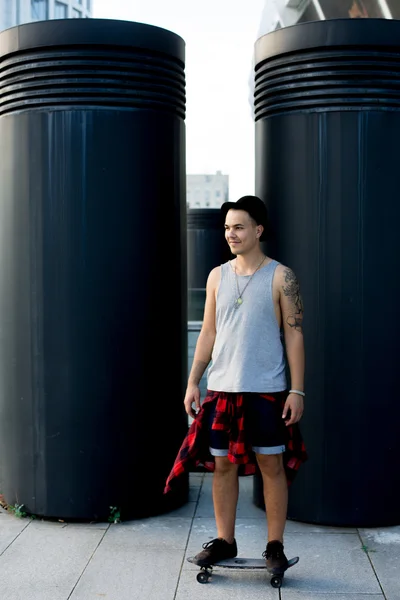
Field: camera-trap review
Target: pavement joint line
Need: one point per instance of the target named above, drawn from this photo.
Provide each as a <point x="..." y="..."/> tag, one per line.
<point x="16" y="537"/>
<point x="89" y="561"/>
<point x="318" y="533"/>
<point x="188" y="537"/>
<point x="372" y="565"/>
<point x="302" y="594"/>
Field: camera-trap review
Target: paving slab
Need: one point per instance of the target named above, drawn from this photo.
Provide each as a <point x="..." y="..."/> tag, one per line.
<point x="139" y="574"/>
<point x="383" y="547"/>
<point x="154" y="532"/>
<point x="291" y="595"/>
<point x="46" y="561"/>
<point x="94" y="525"/>
<point x="186" y="511"/>
<point x="196" y="475"/>
<point x="299" y="527"/>
<point x="227" y="585"/>
<point x="61" y="524"/>
<point x="137" y="560"/>
<point x="329" y="563"/>
<point x="194" y="493"/>
<point x="10" y="529"/>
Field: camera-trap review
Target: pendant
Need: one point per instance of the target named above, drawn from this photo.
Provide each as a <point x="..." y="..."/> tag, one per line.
<point x="238" y="302"/>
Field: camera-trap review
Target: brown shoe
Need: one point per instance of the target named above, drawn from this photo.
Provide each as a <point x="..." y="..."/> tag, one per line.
<point x="275" y="558"/>
<point x="215" y="551"/>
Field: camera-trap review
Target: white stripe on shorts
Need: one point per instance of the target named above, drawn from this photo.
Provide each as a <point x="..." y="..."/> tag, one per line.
<point x="269" y="450"/>
<point x="256" y="449"/>
<point x="215" y="452"/>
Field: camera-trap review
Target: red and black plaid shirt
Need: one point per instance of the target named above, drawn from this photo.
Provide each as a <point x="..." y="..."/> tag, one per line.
<point x="229" y="416"/>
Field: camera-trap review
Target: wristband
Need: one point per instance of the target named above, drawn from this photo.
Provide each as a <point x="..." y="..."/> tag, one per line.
<point x="297" y="392"/>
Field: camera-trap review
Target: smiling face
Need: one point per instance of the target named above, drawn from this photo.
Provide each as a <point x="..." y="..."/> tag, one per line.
<point x="241" y="231"/>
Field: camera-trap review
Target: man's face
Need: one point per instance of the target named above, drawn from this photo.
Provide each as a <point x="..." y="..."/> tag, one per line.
<point x="241" y="231"/>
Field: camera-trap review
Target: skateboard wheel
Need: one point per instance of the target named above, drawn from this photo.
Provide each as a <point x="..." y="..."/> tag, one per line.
<point x="203" y="577"/>
<point x="276" y="581"/>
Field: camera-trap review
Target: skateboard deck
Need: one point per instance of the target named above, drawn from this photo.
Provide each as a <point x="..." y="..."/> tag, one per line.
<point x="242" y="563"/>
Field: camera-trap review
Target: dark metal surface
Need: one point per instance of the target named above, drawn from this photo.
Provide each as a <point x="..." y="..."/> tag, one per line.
<point x="330" y="180"/>
<point x="92" y="219"/>
<point x="94" y="64"/>
<point x="207" y="246"/>
<point x="105" y="33"/>
<point x="336" y="65"/>
<point x="207" y="249"/>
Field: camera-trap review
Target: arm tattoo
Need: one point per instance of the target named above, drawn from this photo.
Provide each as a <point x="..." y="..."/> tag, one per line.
<point x="291" y="289"/>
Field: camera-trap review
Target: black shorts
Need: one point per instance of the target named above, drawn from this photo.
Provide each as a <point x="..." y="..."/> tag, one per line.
<point x="264" y="428"/>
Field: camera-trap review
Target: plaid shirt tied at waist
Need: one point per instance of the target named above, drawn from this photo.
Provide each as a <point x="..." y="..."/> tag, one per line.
<point x="229" y="417"/>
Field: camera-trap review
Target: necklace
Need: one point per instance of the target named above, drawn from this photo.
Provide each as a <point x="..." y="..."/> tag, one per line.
<point x="239" y="299"/>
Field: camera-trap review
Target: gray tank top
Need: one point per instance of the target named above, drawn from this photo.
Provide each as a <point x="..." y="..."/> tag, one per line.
<point x="248" y="354"/>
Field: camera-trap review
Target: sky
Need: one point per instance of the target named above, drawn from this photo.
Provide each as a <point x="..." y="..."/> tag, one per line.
<point x="219" y="40"/>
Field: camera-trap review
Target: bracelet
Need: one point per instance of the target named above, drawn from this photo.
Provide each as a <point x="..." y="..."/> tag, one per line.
<point x="297" y="392"/>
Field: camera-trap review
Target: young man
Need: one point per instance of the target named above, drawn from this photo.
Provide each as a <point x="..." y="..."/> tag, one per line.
<point x="248" y="415"/>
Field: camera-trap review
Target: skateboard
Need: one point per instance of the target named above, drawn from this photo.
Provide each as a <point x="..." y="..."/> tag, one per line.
<point x="242" y="563"/>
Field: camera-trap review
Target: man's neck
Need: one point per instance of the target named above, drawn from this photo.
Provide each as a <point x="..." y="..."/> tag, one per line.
<point x="246" y="264"/>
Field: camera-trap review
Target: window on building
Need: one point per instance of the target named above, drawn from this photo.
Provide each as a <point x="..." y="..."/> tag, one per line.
<point x="60" y="10"/>
<point x="89" y="4"/>
<point x="76" y="14"/>
<point x="217" y="193"/>
<point x="39" y="10"/>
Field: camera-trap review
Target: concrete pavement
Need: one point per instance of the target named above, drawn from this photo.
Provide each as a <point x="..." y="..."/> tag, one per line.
<point x="146" y="559"/>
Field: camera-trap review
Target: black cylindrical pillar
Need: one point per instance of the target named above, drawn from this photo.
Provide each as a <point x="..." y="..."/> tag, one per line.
<point x="206" y="249"/>
<point x="327" y="125"/>
<point x="93" y="270"/>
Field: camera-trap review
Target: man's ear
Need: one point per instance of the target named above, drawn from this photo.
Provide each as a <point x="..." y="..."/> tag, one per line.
<point x="260" y="229"/>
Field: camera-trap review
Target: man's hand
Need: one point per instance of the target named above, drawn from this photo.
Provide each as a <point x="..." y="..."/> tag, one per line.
<point x="192" y="396"/>
<point x="294" y="403"/>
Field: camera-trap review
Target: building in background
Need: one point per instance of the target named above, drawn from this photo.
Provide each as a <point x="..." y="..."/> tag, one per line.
<point x="283" y="13"/>
<point x="207" y="191"/>
<point x="17" y="12"/>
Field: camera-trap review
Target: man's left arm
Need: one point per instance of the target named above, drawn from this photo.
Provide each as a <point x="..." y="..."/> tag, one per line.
<point x="292" y="320"/>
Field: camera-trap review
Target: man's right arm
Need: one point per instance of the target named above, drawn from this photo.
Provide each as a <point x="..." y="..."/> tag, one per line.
<point x="204" y="345"/>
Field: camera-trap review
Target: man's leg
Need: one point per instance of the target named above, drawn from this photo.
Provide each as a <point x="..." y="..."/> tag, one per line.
<point x="275" y="493"/>
<point x="225" y="489"/>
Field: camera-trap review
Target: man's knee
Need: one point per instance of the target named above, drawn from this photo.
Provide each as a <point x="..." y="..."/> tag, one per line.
<point x="224" y="466"/>
<point x="271" y="465"/>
